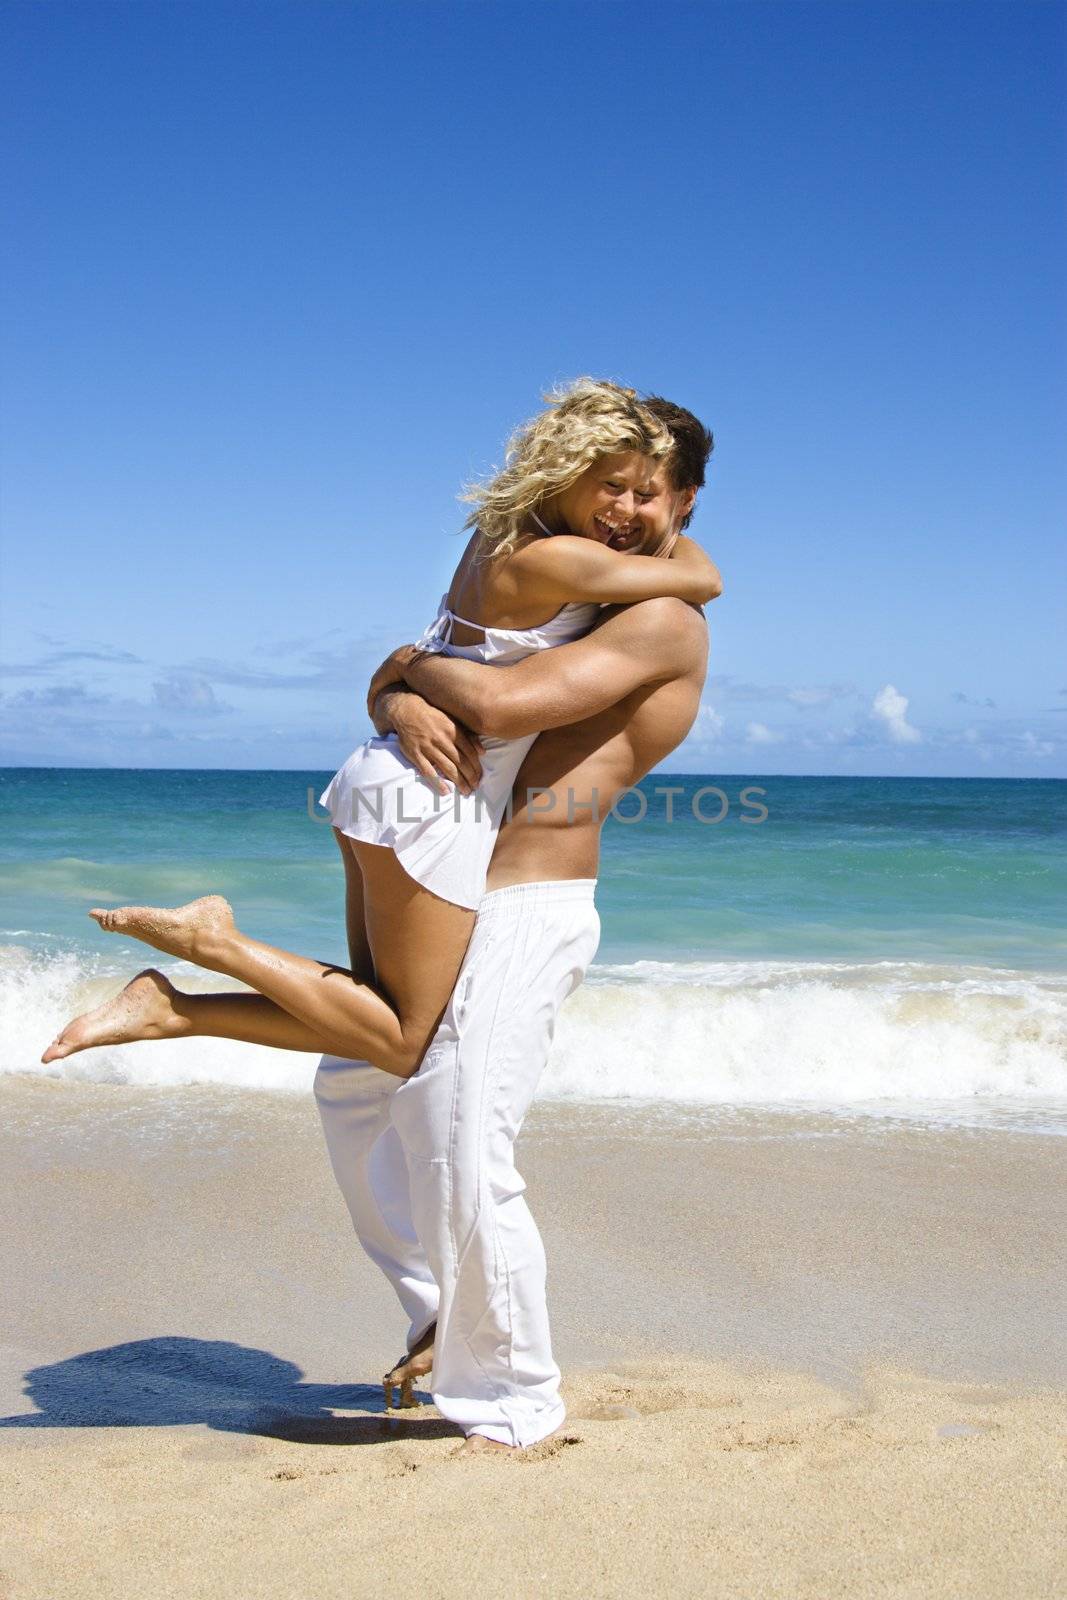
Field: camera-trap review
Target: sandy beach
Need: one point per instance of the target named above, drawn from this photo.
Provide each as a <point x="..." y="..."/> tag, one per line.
<point x="802" y="1356"/>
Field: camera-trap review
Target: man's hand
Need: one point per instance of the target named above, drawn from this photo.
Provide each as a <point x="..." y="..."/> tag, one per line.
<point x="434" y="743"/>
<point x="389" y="673"/>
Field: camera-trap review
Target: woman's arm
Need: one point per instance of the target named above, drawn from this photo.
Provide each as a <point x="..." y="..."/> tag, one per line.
<point x="570" y="568"/>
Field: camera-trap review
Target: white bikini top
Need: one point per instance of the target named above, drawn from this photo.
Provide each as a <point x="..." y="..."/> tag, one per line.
<point x="502" y="644"/>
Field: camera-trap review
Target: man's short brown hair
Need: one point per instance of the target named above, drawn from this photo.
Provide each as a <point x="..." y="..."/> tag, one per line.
<point x="693" y="443"/>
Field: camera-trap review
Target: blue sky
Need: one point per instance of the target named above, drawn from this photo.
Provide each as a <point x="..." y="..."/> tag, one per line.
<point x="286" y="274"/>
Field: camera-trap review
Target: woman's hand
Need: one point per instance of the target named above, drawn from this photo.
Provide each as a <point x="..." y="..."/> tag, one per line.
<point x="695" y="560"/>
<point x="435" y="744"/>
<point x="389" y="673"/>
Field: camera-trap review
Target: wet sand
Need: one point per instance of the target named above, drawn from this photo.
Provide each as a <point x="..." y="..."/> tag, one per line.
<point x="802" y="1357"/>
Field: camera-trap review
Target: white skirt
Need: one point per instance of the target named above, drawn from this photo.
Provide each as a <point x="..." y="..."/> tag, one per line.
<point x="444" y="842"/>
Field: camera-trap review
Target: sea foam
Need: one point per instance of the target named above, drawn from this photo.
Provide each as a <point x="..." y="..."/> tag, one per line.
<point x="737" y="1033"/>
<point x="782" y="1032"/>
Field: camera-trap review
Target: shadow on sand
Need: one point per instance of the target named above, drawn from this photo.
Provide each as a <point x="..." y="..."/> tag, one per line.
<point x="172" y="1381"/>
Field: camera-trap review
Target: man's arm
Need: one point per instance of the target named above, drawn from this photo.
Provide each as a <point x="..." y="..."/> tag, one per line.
<point x="653" y="641"/>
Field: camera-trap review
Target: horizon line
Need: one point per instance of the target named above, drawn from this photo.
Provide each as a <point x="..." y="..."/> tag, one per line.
<point x="903" y="777"/>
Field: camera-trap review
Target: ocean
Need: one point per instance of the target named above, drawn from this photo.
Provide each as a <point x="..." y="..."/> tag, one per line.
<point x="870" y="947"/>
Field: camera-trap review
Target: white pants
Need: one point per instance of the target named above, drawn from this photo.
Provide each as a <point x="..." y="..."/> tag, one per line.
<point x="426" y="1163"/>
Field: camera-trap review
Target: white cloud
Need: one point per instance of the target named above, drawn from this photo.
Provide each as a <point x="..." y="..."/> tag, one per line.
<point x="183" y="693"/>
<point x="891" y="709"/>
<point x="817" y="697"/>
<point x="962" y="699"/>
<point x="333" y="671"/>
<point x="59" y="695"/>
<point x="709" y="724"/>
<point x="105" y="654"/>
<point x="971" y="737"/>
<point x="1034" y="746"/>
<point x="737" y="691"/>
<point x="759" y="733"/>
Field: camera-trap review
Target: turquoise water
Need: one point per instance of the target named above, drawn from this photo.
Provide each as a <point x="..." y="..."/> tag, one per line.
<point x="958" y="870"/>
<point x="851" y="868"/>
<point x="870" y="943"/>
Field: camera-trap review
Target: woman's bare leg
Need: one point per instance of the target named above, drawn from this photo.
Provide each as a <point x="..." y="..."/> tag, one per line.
<point x="152" y="1008"/>
<point x="416" y="941"/>
<point x="360" y="959"/>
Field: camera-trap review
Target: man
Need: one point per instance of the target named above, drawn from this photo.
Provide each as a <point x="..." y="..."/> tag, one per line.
<point x="426" y="1163"/>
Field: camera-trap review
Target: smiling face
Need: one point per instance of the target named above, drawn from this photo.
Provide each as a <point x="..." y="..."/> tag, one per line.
<point x="625" y="501"/>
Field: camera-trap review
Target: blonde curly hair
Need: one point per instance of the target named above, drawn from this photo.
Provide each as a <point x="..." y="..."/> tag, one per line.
<point x="585" y="420"/>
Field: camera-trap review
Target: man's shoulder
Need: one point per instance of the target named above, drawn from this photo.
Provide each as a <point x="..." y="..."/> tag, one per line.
<point x="666" y="630"/>
<point x="661" y="612"/>
<point x="665" y="614"/>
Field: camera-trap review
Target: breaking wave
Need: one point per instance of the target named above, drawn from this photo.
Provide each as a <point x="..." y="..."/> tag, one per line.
<point x="735" y="1033"/>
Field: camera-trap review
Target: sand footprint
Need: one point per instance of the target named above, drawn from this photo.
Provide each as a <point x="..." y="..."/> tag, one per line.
<point x="547" y="1448"/>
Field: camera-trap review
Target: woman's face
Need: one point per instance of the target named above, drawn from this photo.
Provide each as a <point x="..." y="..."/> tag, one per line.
<point x="625" y="501"/>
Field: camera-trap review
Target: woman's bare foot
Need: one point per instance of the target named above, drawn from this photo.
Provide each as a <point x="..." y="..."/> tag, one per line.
<point x="416" y="1364"/>
<point x="144" y="1010"/>
<point x="187" y="931"/>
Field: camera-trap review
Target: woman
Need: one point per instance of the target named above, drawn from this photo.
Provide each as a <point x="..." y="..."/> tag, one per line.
<point x="545" y="553"/>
